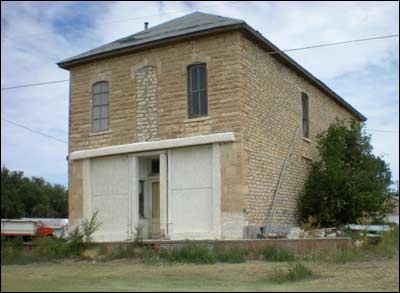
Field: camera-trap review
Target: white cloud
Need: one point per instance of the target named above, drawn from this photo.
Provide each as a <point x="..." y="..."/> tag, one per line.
<point x="365" y="74"/>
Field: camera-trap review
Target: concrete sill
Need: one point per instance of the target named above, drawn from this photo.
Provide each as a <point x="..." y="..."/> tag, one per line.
<point x="100" y="133"/>
<point x="198" y="119"/>
<point x="306" y="139"/>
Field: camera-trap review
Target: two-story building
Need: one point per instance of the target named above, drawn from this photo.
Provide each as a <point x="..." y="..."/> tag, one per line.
<point x="184" y="129"/>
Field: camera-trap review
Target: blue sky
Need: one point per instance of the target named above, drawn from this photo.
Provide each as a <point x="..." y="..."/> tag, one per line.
<point x="36" y="35"/>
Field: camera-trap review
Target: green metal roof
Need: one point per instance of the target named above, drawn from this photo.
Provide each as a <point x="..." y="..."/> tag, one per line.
<point x="192" y="25"/>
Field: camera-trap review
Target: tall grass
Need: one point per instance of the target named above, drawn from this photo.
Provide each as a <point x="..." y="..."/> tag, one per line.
<point x="277" y="254"/>
<point x="296" y="272"/>
<point x="53" y="249"/>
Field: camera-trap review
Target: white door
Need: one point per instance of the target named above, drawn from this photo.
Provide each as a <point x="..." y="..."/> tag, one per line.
<point x="191" y="193"/>
<point x="109" y="190"/>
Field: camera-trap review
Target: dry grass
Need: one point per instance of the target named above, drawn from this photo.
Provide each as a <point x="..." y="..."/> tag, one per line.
<point x="125" y="275"/>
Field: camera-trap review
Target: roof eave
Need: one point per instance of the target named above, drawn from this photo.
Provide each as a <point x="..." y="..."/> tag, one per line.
<point x="68" y="64"/>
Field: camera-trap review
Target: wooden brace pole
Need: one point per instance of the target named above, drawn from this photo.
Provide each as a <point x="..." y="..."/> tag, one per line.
<point x="276" y="195"/>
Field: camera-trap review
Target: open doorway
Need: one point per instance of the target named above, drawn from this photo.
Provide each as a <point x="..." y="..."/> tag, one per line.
<point x="149" y="196"/>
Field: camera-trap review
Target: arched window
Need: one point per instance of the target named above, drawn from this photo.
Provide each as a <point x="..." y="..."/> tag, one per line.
<point x="100" y="106"/>
<point x="197" y="90"/>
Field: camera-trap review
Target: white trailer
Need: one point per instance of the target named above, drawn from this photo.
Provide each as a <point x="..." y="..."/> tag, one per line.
<point x="24" y="228"/>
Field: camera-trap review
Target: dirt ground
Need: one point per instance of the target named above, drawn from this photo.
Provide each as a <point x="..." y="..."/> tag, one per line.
<point x="125" y="275"/>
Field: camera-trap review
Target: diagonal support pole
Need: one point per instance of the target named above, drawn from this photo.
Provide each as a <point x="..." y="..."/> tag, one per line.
<point x="281" y="176"/>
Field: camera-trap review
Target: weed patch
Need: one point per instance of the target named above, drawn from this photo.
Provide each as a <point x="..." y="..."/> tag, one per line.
<point x="296" y="272"/>
<point x="277" y="254"/>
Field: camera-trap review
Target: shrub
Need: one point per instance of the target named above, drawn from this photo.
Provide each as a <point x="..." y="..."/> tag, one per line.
<point x="75" y="241"/>
<point x="49" y="248"/>
<point x="89" y="227"/>
<point x="347" y="182"/>
<point x="138" y="237"/>
<point x="276" y="254"/>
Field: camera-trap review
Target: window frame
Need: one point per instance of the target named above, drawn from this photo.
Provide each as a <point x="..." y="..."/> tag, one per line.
<point x="101" y="106"/>
<point x="305" y="109"/>
<point x="199" y="91"/>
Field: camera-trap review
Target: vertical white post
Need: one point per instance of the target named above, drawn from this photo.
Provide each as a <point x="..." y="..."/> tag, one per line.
<point x="163" y="195"/>
<point x="216" y="187"/>
<point x="169" y="194"/>
<point x="87" y="190"/>
<point x="133" y="216"/>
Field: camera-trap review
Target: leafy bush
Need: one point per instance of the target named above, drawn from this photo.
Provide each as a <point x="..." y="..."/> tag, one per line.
<point x="90" y="226"/>
<point x="277" y="254"/>
<point x="348" y="182"/>
<point x="43" y="249"/>
<point x="75" y="241"/>
<point x="49" y="248"/>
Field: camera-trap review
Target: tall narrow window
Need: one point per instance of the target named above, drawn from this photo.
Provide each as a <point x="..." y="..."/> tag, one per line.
<point x="306" y="118"/>
<point x="100" y="106"/>
<point x="197" y="85"/>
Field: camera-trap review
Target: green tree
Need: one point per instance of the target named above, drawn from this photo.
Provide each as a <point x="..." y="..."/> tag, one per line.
<point x="348" y="182"/>
<point x="31" y="197"/>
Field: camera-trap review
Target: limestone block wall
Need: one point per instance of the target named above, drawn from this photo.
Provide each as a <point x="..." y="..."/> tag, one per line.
<point x="272" y="108"/>
<point x="146" y="104"/>
<point x="148" y="101"/>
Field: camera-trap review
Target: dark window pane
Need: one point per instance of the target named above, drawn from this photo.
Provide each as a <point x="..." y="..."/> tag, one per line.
<point x="104" y="99"/>
<point x="96" y="88"/>
<point x="203" y="103"/>
<point x="104" y="124"/>
<point x="104" y="111"/>
<point x="196" y="103"/>
<point x="155" y="166"/>
<point x="96" y="125"/>
<point x="305" y="111"/>
<point x="96" y="100"/>
<point x="194" y="78"/>
<point x="96" y="112"/>
<point x="202" y="77"/>
<point x="141" y="199"/>
<point x="104" y="87"/>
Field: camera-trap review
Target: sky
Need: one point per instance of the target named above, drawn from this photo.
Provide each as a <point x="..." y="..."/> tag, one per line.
<point x="36" y="35"/>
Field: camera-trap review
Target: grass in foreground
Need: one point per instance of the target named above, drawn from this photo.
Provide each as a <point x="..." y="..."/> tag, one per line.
<point x="124" y="275"/>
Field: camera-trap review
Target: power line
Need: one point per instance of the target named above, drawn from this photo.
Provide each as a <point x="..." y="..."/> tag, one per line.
<point x="34" y="131"/>
<point x="124" y="20"/>
<point x="335" y="43"/>
<point x="33" y="84"/>
<point x="274" y="52"/>
<point x="382" y="130"/>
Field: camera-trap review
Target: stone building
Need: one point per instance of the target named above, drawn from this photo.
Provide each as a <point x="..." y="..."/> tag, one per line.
<point x="184" y="129"/>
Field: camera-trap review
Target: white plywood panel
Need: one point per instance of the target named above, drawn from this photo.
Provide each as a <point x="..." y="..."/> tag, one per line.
<point x="109" y="195"/>
<point x="109" y="176"/>
<point x="191" y="211"/>
<point x="191" y="167"/>
<point x="191" y="193"/>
